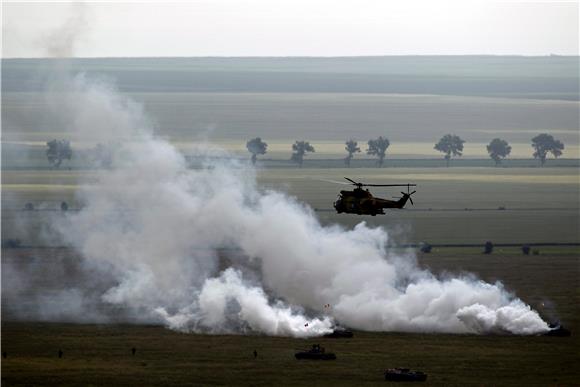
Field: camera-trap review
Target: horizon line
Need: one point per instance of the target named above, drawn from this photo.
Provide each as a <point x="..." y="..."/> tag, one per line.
<point x="550" y="55"/>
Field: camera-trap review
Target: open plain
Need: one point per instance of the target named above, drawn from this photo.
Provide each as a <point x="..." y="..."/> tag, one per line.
<point x="208" y="102"/>
<point x="468" y="205"/>
<point x="100" y="354"/>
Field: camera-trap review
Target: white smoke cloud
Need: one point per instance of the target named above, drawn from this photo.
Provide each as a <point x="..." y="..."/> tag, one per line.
<point x="227" y="304"/>
<point x="158" y="229"/>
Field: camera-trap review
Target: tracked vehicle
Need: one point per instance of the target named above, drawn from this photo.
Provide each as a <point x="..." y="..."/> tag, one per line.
<point x="315" y="353"/>
<point x="404" y="375"/>
<point x="339" y="333"/>
<point x="557" y="330"/>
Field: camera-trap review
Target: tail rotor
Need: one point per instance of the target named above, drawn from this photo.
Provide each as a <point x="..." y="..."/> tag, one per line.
<point x="408" y="195"/>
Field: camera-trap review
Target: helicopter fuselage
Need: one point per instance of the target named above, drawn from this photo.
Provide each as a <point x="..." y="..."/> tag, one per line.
<point x="362" y="202"/>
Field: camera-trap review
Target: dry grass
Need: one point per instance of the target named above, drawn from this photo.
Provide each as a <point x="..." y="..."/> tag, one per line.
<point x="544" y="201"/>
<point x="101" y="354"/>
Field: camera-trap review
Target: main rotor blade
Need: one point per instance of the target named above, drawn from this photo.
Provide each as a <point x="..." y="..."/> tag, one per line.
<point x="389" y="185"/>
<point x="411" y="200"/>
<point x="334" y="181"/>
<point x="380" y="185"/>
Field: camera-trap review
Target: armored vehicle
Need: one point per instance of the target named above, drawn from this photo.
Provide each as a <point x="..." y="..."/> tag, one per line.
<point x="315" y="353"/>
<point x="558" y="330"/>
<point x="339" y="333"/>
<point x="404" y="375"/>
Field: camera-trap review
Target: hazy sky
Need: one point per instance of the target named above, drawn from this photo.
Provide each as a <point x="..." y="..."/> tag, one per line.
<point x="289" y="27"/>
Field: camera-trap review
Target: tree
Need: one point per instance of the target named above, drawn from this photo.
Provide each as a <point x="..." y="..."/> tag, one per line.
<point x="544" y="144"/>
<point x="256" y="147"/>
<point x="498" y="149"/>
<point x="352" y="148"/>
<point x="58" y="150"/>
<point x="451" y="145"/>
<point x="378" y="147"/>
<point x="300" y="148"/>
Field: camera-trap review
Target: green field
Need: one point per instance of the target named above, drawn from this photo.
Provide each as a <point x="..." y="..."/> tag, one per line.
<point x="413" y="101"/>
<point x="452" y="205"/>
<point x="409" y="99"/>
<point x="317" y="117"/>
<point x="101" y="354"/>
<point x="543" y="77"/>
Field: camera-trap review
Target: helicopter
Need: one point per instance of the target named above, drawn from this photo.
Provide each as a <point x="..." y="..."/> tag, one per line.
<point x="361" y="202"/>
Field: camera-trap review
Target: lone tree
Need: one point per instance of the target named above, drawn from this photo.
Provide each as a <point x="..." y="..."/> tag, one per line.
<point x="352" y="148"/>
<point x="378" y="147"/>
<point x="300" y="148"/>
<point x="498" y="149"/>
<point x="544" y="143"/>
<point x="58" y="150"/>
<point x="256" y="147"/>
<point x="451" y="145"/>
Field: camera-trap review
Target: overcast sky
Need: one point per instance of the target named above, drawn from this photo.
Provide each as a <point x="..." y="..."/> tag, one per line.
<point x="289" y="28"/>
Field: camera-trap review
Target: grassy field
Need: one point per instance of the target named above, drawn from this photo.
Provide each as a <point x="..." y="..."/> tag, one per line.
<point x="452" y="205"/>
<point x="411" y="100"/>
<point x="101" y="354"/>
<point x="317" y="117"/>
<point x="545" y="213"/>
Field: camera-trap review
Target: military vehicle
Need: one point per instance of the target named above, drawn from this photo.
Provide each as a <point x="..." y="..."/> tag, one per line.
<point x="404" y="375"/>
<point x="315" y="353"/>
<point x="339" y="333"/>
<point x="556" y="329"/>
<point x="360" y="201"/>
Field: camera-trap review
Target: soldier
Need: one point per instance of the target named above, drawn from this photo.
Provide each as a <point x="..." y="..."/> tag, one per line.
<point x="60" y="353"/>
<point x="255" y="354"/>
<point x="133" y="350"/>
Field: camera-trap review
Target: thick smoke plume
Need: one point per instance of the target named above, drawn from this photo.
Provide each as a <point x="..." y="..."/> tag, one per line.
<point x="206" y="250"/>
<point x="159" y="231"/>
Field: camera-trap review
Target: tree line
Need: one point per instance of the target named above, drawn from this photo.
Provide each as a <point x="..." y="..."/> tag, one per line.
<point x="450" y="145"/>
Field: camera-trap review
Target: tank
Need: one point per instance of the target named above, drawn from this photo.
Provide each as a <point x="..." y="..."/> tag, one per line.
<point x="339" y="333"/>
<point x="557" y="330"/>
<point x="404" y="375"/>
<point x="315" y="353"/>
